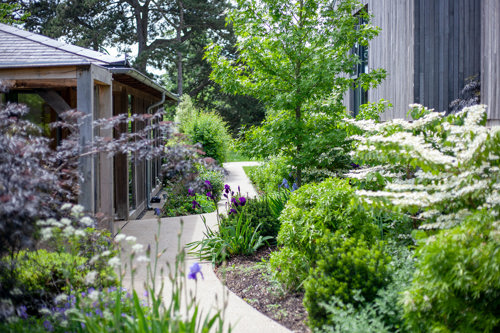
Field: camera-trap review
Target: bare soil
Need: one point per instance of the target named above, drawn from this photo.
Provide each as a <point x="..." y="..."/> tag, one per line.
<point x="247" y="277"/>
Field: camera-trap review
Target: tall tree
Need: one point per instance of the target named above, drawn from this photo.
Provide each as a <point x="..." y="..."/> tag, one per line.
<point x="294" y="55"/>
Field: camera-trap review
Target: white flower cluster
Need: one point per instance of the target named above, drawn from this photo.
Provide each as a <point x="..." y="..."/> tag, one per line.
<point x="455" y="162"/>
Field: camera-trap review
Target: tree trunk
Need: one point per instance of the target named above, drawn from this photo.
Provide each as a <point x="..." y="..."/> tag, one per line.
<point x="180" y="27"/>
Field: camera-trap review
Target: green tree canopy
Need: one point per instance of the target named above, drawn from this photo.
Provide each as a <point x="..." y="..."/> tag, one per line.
<point x="294" y="56"/>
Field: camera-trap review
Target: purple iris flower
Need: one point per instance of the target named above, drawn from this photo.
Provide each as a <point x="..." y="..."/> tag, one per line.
<point x="284" y="184"/>
<point x="243" y="201"/>
<point x="194" y="270"/>
<point x="157" y="211"/>
<point x="232" y="211"/>
<point x="210" y="195"/>
<point x="295" y="187"/>
<point x="234" y="202"/>
<point x="22" y="312"/>
<point x="195" y="204"/>
<point x="227" y="188"/>
<point x="191" y="193"/>
<point x="208" y="184"/>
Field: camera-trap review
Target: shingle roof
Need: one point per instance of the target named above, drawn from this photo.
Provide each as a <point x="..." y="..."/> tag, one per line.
<point x="20" y="48"/>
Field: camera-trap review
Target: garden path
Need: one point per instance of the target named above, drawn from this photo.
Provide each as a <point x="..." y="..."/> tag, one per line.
<point x="211" y="294"/>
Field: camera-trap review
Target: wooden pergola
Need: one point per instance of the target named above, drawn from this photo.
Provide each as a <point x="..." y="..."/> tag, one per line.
<point x="69" y="77"/>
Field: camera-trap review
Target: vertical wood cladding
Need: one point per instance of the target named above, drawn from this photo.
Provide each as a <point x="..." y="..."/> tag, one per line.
<point x="490" y="59"/>
<point x="393" y="50"/>
<point x="429" y="48"/>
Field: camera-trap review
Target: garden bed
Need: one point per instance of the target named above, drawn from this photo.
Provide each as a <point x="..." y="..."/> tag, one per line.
<point x="246" y="276"/>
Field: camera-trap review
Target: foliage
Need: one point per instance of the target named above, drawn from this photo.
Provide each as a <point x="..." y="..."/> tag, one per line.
<point x="373" y="110"/>
<point x="268" y="176"/>
<point x="9" y="15"/>
<point x="469" y="96"/>
<point x="210" y="130"/>
<point x="258" y="214"/>
<point x="447" y="172"/>
<point x="184" y="112"/>
<point x="345" y="265"/>
<point x="114" y="309"/>
<point x="384" y="313"/>
<point x="216" y="179"/>
<point x="292" y="55"/>
<point x="451" y="164"/>
<point x="456" y="287"/>
<point x="312" y="211"/>
<point x="238" y="237"/>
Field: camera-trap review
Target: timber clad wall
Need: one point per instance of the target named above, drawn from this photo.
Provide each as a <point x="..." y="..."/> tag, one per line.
<point x="447" y="49"/>
<point x="393" y="51"/>
<point x="430" y="47"/>
<point x="490" y="59"/>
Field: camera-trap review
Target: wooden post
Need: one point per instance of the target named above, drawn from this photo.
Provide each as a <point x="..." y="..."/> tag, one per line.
<point x="85" y="104"/>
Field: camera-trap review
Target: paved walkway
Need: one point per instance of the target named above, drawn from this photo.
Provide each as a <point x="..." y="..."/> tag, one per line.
<point x="211" y="294"/>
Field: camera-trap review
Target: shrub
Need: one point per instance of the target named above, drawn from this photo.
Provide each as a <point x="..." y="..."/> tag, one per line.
<point x="184" y="112"/>
<point x="216" y="179"/>
<point x="210" y="130"/>
<point x="268" y="176"/>
<point x="456" y="287"/>
<point x="384" y="314"/>
<point x="346" y="265"/>
<point x="257" y="212"/>
<point x="310" y="212"/>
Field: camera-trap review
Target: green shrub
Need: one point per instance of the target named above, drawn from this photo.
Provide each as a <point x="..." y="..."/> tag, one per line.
<point x="268" y="176"/>
<point x="51" y="272"/>
<point x="346" y="265"/>
<point x="210" y="130"/>
<point x="311" y="211"/>
<point x="257" y="212"/>
<point x="384" y="314"/>
<point x="184" y="112"/>
<point x="216" y="179"/>
<point x="456" y="286"/>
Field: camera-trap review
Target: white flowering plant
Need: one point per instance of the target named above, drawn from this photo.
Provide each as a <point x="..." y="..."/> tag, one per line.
<point x="444" y="171"/>
<point x="439" y="168"/>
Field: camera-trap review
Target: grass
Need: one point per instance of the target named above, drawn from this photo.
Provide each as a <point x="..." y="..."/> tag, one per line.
<point x="248" y="169"/>
<point x="236" y="156"/>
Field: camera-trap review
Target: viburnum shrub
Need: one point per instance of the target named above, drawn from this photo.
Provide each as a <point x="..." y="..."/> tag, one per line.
<point x="346" y="267"/>
<point x="445" y="171"/>
<point x="310" y="212"/>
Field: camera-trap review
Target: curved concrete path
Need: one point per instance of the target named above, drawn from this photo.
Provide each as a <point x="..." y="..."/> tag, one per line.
<point x="211" y="294"/>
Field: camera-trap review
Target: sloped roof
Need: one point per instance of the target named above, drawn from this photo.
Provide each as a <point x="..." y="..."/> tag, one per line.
<point x="19" y="48"/>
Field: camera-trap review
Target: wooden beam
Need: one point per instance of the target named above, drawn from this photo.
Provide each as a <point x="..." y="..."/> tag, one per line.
<point x="41" y="83"/>
<point x="45" y="73"/>
<point x="101" y="75"/>
<point x="54" y="100"/>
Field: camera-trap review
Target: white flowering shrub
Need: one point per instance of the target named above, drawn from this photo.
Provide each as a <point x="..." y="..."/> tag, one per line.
<point x="444" y="170"/>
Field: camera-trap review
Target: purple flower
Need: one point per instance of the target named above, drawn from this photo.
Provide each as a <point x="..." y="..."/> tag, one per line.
<point x="191" y="192"/>
<point x="227" y="188"/>
<point x="210" y="195"/>
<point x="233" y="211"/>
<point x="48" y="326"/>
<point x="208" y="184"/>
<point x="195" y="204"/>
<point x="157" y="211"/>
<point x="234" y="202"/>
<point x="22" y="312"/>
<point x="243" y="201"/>
<point x="194" y="270"/>
<point x="294" y="187"/>
<point x="284" y="184"/>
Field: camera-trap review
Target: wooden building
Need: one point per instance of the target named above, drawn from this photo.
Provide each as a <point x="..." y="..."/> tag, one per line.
<point x="429" y="49"/>
<point x="53" y="77"/>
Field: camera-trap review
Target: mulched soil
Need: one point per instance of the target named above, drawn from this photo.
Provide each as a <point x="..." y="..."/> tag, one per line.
<point x="246" y="276"/>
